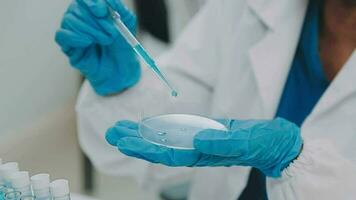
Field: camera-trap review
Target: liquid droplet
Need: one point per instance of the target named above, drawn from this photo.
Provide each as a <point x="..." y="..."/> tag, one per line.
<point x="174" y="93"/>
<point x="161" y="133"/>
<point x="164" y="140"/>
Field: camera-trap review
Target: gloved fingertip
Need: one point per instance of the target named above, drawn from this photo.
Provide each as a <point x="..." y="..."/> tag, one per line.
<point x="111" y="136"/>
<point x="117" y="5"/>
<point x="66" y="39"/>
<point x="59" y="37"/>
<point x="66" y="50"/>
<point x="97" y="7"/>
<point x="100" y="11"/>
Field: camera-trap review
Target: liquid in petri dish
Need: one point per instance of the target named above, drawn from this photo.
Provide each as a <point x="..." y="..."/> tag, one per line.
<point x="161" y="133"/>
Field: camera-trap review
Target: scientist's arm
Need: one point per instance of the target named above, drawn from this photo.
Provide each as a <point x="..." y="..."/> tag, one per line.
<point x="319" y="172"/>
<point x="192" y="65"/>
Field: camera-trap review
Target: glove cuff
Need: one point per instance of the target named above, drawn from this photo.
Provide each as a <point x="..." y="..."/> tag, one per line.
<point x="290" y="156"/>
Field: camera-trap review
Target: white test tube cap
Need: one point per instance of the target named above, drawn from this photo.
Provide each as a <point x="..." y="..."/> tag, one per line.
<point x="59" y="188"/>
<point x="7" y="169"/>
<point x="20" y="179"/>
<point x="40" y="181"/>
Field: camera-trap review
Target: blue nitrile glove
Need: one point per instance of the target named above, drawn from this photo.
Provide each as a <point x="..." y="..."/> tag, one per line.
<point x="88" y="37"/>
<point x="269" y="145"/>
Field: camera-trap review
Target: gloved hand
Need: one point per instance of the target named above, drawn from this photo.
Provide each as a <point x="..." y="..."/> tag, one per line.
<point x="88" y="37"/>
<point x="269" y="146"/>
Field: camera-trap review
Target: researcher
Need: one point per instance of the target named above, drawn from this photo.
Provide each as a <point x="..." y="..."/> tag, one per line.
<point x="285" y="71"/>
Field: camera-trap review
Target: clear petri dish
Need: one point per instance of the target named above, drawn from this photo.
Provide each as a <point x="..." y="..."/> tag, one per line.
<point x="176" y="130"/>
<point x="177" y="123"/>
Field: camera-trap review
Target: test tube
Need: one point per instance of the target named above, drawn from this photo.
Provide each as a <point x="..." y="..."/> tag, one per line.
<point x="60" y="189"/>
<point x="20" y="181"/>
<point x="6" y="170"/>
<point x="40" y="186"/>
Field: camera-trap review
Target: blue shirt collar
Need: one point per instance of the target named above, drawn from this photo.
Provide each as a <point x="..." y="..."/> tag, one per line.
<point x="310" y="41"/>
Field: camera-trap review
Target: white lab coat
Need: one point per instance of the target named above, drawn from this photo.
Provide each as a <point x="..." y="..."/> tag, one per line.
<point x="236" y="55"/>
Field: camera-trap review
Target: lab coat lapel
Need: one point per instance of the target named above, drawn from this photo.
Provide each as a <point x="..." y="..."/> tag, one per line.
<point x="342" y="87"/>
<point x="272" y="56"/>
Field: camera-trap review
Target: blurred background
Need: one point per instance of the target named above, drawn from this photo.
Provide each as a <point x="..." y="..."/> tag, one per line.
<point x="39" y="89"/>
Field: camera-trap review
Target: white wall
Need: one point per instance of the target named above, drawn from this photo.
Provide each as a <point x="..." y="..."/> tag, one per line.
<point x="35" y="78"/>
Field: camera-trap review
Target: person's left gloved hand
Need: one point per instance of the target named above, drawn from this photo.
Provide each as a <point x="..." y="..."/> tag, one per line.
<point x="269" y="146"/>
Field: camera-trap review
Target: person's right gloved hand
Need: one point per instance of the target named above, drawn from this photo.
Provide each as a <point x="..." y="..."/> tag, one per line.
<point x="88" y="37"/>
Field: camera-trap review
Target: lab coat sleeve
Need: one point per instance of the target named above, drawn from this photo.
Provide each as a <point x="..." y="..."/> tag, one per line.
<point x="192" y="67"/>
<point x="320" y="172"/>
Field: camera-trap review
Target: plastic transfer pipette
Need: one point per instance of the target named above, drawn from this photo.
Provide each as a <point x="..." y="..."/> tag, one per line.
<point x="140" y="51"/>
